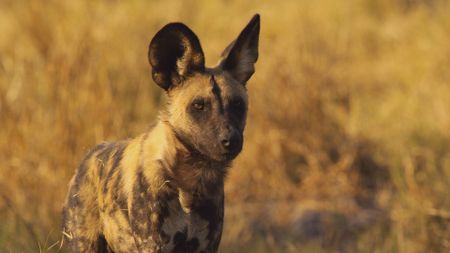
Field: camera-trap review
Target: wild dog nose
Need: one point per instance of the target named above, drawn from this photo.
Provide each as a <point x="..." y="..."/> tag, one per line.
<point x="225" y="137"/>
<point x="226" y="143"/>
<point x="230" y="141"/>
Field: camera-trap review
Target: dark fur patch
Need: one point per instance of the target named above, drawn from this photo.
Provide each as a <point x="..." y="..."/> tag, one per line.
<point x="236" y="110"/>
<point x="182" y="245"/>
<point x="212" y="213"/>
<point x="118" y="195"/>
<point x="162" y="209"/>
<point x="116" y="158"/>
<point x="208" y="211"/>
<point x="103" y="245"/>
<point x="217" y="94"/>
<point x="141" y="216"/>
<point x="180" y="238"/>
<point x="192" y="245"/>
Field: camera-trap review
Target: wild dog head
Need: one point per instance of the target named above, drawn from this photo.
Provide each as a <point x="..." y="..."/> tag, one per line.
<point x="207" y="107"/>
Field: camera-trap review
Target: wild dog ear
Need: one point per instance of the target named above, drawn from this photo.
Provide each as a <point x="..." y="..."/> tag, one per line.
<point x="174" y="54"/>
<point x="240" y="56"/>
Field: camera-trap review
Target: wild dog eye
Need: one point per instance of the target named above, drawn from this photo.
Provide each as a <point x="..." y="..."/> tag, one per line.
<point x="198" y="104"/>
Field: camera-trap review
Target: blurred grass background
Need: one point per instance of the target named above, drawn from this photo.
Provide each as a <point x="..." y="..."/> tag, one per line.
<point x="348" y="139"/>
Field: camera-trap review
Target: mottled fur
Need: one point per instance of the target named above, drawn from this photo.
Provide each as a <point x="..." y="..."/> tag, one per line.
<point x="163" y="191"/>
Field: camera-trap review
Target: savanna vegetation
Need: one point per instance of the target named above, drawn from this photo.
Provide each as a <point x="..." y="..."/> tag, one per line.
<point x="348" y="138"/>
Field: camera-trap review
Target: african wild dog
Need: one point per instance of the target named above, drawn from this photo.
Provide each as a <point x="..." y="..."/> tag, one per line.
<point x="163" y="191"/>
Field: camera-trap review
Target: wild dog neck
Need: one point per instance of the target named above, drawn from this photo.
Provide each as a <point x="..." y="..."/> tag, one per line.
<point x="193" y="175"/>
<point x="197" y="179"/>
<point x="194" y="171"/>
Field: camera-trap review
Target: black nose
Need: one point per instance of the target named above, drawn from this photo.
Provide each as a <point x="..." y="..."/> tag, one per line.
<point x="229" y="138"/>
<point x="226" y="143"/>
<point x="230" y="142"/>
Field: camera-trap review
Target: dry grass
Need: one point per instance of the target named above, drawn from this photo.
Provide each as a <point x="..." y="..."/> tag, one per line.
<point x="348" y="143"/>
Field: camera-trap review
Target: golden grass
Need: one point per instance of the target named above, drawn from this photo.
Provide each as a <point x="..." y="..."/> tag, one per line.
<point x="348" y="140"/>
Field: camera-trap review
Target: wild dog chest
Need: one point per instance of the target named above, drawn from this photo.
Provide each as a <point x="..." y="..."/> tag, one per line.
<point x="197" y="230"/>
